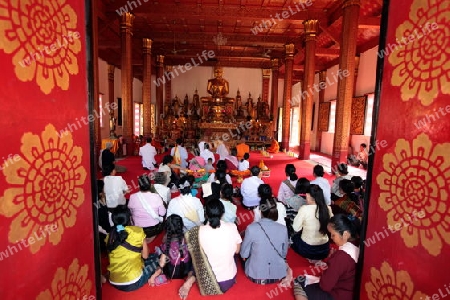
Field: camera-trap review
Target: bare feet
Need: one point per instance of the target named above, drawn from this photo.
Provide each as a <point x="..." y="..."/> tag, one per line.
<point x="151" y="280"/>
<point x="183" y="292"/>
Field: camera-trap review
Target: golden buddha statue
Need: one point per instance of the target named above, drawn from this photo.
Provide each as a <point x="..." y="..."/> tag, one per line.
<point x="218" y="87"/>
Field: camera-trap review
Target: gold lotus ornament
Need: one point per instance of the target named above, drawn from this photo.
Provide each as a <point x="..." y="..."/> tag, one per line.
<point x="45" y="187"/>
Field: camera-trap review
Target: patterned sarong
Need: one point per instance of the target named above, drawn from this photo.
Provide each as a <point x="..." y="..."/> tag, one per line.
<point x="206" y="279"/>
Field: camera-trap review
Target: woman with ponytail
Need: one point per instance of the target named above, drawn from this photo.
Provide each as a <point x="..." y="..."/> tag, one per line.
<point x="212" y="247"/>
<point x="312" y="220"/>
<point x="130" y="265"/>
<point x="287" y="187"/>
<point x="265" y="192"/>
<point x="338" y="280"/>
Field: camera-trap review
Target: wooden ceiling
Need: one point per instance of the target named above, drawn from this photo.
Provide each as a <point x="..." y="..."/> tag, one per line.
<point x="181" y="29"/>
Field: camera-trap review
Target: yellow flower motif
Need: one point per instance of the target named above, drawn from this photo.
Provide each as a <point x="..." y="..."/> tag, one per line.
<point x="46" y="187"/>
<point x="415" y="178"/>
<point x="42" y="37"/>
<point x="387" y="284"/>
<point x="72" y="284"/>
<point x="422" y="65"/>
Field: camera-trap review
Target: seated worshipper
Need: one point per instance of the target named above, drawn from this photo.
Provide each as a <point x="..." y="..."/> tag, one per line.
<point x="148" y="153"/>
<point x="361" y="158"/>
<point x="197" y="163"/>
<point x="249" y="189"/>
<point x="221" y="166"/>
<point x="211" y="190"/>
<point x="322" y="182"/>
<point x="349" y="202"/>
<point x="206" y="153"/>
<point x="186" y="206"/>
<point x="231" y="160"/>
<point x="294" y="203"/>
<point x="226" y="194"/>
<point x="359" y="190"/>
<point x="130" y="265"/>
<point x="337" y="282"/>
<point x="222" y="150"/>
<point x="179" y="154"/>
<point x="201" y="146"/>
<point x="115" y="188"/>
<point x="212" y="248"/>
<point x="147" y="209"/>
<point x="104" y="225"/>
<point x="165" y="167"/>
<point x="312" y="220"/>
<point x="243" y="169"/>
<point x="287" y="186"/>
<point x="209" y="168"/>
<point x="161" y="188"/>
<point x="265" y="192"/>
<point x="274" y="147"/>
<point x="174" y="258"/>
<point x="265" y="247"/>
<point x="341" y="174"/>
<point x="107" y="159"/>
<point x="242" y="148"/>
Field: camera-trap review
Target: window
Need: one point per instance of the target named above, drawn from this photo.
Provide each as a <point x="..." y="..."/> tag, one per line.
<point x="138" y="119"/>
<point x="369" y="111"/>
<point x="332" y="117"/>
<point x="295" y="130"/>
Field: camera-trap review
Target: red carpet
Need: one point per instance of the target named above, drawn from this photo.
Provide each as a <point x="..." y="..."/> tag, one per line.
<point x="243" y="289"/>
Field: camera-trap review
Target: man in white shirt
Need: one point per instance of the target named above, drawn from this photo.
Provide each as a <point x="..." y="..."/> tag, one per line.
<point x="249" y="189"/>
<point x="148" y="153"/>
<point x="206" y="153"/>
<point x="115" y="188"/>
<point x="180" y="153"/>
<point x="322" y="182"/>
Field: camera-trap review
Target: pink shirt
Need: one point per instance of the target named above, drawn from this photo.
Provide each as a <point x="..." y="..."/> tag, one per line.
<point x="220" y="245"/>
<point x="140" y="216"/>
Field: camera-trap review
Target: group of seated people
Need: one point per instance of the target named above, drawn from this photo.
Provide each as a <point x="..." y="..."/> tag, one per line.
<point x="201" y="241"/>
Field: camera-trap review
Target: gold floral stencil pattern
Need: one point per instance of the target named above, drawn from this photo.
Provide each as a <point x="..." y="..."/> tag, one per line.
<point x="421" y="60"/>
<point x="415" y="179"/>
<point x="42" y="37"/>
<point x="387" y="284"/>
<point x="45" y="187"/>
<point x="71" y="284"/>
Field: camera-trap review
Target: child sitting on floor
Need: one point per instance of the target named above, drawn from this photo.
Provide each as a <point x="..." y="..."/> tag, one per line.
<point x="209" y="166"/>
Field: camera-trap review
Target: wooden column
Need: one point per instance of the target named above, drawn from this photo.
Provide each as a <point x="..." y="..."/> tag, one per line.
<point x="274" y="96"/>
<point x="322" y="78"/>
<point x="287" y="93"/>
<point x="126" y="26"/>
<point x="345" y="83"/>
<point x="311" y="28"/>
<point x="97" y="129"/>
<point x="159" y="89"/>
<point x="356" y="74"/>
<point x="111" y="69"/>
<point x="265" y="85"/>
<point x="146" y="86"/>
<point x="168" y="89"/>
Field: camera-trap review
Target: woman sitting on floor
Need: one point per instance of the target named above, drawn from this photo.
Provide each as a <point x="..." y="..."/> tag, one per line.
<point x="312" y="220"/>
<point x="130" y="265"/>
<point x="174" y="259"/>
<point x="226" y="194"/>
<point x="186" y="206"/>
<point x="265" y="192"/>
<point x="287" y="187"/>
<point x="294" y="203"/>
<point x="165" y="167"/>
<point x="243" y="168"/>
<point x="221" y="166"/>
<point x="231" y="160"/>
<point x="349" y="202"/>
<point x="338" y="280"/>
<point x="212" y="248"/>
<point x="147" y="209"/>
<point x="265" y="247"/>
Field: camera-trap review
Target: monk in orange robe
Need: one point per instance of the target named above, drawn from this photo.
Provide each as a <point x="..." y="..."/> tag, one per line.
<point x="274" y="147"/>
<point x="242" y="148"/>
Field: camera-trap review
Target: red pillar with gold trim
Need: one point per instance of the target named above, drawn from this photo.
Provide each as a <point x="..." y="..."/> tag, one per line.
<point x="97" y="130"/>
<point x="146" y="86"/>
<point x="159" y="89"/>
<point x="274" y="95"/>
<point x="345" y="83"/>
<point x="111" y="69"/>
<point x="322" y="80"/>
<point x="126" y="26"/>
<point x="168" y="87"/>
<point x="287" y="93"/>
<point x="311" y="28"/>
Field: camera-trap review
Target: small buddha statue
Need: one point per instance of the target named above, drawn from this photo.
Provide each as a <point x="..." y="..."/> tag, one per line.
<point x="218" y="87"/>
<point x="196" y="99"/>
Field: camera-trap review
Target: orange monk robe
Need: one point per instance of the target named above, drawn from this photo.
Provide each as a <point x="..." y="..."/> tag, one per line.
<point x="242" y="148"/>
<point x="274" y="147"/>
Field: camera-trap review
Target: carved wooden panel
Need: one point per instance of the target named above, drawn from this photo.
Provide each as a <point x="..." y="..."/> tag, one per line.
<point x="358" y="115"/>
<point x="324" y="116"/>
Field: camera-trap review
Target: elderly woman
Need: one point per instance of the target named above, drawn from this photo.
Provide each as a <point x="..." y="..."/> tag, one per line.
<point x="161" y="182"/>
<point x="265" y="246"/>
<point x="212" y="247"/>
